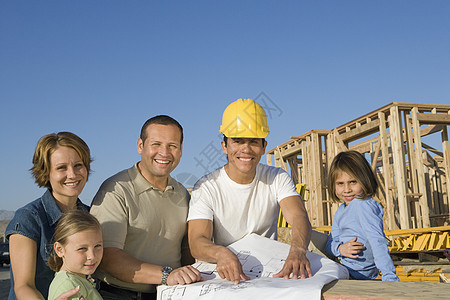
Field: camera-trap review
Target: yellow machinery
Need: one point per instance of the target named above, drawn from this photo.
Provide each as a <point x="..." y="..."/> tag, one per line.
<point x="421" y="239"/>
<point x="418" y="253"/>
<point x="301" y="189"/>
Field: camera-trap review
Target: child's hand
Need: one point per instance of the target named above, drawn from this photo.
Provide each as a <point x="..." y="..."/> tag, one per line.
<point x="67" y="295"/>
<point x="351" y="248"/>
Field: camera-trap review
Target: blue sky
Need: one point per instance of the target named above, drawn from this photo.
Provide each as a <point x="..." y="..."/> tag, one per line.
<point x="101" y="68"/>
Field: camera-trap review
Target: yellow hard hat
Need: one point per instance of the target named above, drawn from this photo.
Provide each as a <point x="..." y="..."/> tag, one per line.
<point x="244" y="118"/>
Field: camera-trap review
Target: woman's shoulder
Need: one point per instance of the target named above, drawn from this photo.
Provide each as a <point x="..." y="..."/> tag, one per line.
<point x="29" y="210"/>
<point x="34" y="205"/>
<point x="29" y="219"/>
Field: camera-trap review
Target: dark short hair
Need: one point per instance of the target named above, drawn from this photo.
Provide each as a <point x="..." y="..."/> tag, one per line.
<point x="45" y="148"/>
<point x="354" y="164"/>
<point x="162" y="120"/>
<point x="225" y="139"/>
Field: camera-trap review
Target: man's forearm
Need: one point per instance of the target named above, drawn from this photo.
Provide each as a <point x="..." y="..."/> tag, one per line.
<point x="295" y="213"/>
<point x="129" y="269"/>
<point x="204" y="249"/>
<point x="301" y="233"/>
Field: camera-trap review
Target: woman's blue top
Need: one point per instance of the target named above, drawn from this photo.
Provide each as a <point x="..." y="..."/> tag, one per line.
<point x="37" y="221"/>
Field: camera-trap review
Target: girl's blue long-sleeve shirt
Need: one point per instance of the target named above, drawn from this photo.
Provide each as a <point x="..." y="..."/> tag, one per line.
<point x="363" y="219"/>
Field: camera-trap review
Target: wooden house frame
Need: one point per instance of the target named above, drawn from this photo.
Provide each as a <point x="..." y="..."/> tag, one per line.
<point x="412" y="175"/>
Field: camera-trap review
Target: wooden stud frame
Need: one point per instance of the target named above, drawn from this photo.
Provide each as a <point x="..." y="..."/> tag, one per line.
<point x="414" y="186"/>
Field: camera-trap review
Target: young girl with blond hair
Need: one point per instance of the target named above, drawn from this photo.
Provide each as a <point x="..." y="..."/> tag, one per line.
<point x="78" y="250"/>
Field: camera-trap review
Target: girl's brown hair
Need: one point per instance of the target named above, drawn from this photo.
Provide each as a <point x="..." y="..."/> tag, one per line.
<point x="70" y="223"/>
<point x="354" y="164"/>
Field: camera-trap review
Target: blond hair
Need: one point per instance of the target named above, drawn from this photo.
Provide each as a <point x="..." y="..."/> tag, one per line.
<point x="70" y="223"/>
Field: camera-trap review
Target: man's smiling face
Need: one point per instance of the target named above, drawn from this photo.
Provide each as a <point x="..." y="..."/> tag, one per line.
<point x="244" y="155"/>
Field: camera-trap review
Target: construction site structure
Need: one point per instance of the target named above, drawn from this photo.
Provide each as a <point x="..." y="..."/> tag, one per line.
<point x="412" y="175"/>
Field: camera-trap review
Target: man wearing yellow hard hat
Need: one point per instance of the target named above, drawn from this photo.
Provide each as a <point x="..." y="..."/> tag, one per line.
<point x="243" y="197"/>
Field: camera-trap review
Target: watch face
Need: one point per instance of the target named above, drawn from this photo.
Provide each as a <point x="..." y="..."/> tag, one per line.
<point x="165" y="274"/>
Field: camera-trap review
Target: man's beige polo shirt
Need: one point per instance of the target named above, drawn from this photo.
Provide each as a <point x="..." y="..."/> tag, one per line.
<point x="147" y="223"/>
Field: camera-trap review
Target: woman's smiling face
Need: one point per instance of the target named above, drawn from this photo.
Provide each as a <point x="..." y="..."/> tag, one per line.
<point x="68" y="174"/>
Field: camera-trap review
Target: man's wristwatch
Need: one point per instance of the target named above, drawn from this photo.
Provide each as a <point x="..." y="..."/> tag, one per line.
<point x="165" y="273"/>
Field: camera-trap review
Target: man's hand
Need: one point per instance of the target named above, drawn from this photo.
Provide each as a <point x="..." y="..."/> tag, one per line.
<point x="351" y="248"/>
<point x="184" y="275"/>
<point x="296" y="264"/>
<point x="229" y="267"/>
<point x="67" y="295"/>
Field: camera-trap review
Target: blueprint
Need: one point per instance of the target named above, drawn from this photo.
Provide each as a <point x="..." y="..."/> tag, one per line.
<point x="261" y="258"/>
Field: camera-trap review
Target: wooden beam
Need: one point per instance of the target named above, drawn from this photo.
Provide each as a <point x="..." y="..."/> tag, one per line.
<point x="417" y="230"/>
<point x="376" y="153"/>
<point x="305" y="164"/>
<point x="446" y="150"/>
<point x="422" y="107"/>
<point x="317" y="175"/>
<point x="423" y="201"/>
<point x="414" y="185"/>
<point x="431" y="149"/>
<point x="306" y="179"/>
<point x="433" y="119"/>
<point x="360" y="131"/>
<point x="364" y="147"/>
<point x="303" y="136"/>
<point x="294" y="171"/>
<point x="430" y="129"/>
<point x="387" y="172"/>
<point x="313" y="204"/>
<point x="280" y="160"/>
<point x="269" y="159"/>
<point x="398" y="154"/>
<point x="341" y="146"/>
<point x="384" y="290"/>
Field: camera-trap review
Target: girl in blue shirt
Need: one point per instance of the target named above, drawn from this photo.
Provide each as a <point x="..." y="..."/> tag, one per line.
<point x="357" y="235"/>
